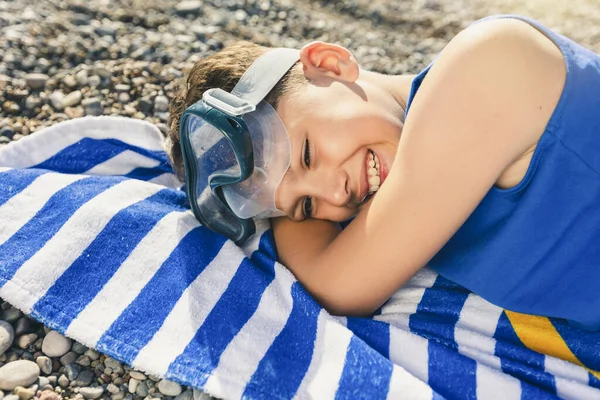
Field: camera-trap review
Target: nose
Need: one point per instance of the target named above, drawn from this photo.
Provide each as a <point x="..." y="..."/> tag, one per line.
<point x="331" y="186"/>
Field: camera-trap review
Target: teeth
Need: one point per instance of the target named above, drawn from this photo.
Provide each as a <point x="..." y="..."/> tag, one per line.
<point x="374" y="181"/>
<point x="373" y="172"/>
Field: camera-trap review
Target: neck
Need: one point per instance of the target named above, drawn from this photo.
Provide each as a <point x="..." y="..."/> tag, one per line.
<point x="397" y="86"/>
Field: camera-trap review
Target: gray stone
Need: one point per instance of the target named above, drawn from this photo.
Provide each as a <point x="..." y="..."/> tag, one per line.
<point x="85" y="378"/>
<point x="113" y="364"/>
<point x="84" y="361"/>
<point x="82" y="77"/>
<point x="36" y="81"/>
<point x="12" y="314"/>
<point x="18" y="373"/>
<point x="43" y="381"/>
<point x="92" y="354"/>
<point x="91" y="392"/>
<point x="111" y="388"/>
<point x="92" y="106"/>
<point x="137" y="375"/>
<point x="45" y="364"/>
<point x="32" y="102"/>
<point x="72" y="371"/>
<point x="7" y="336"/>
<point x="200" y="395"/>
<point x="169" y="388"/>
<point x="186" y="395"/>
<point x="55" y="344"/>
<point x="68" y="358"/>
<point x="142" y="389"/>
<point x="24" y="324"/>
<point x="78" y="348"/>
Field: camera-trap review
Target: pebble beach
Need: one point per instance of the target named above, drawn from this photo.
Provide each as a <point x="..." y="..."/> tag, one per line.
<point x="64" y="59"/>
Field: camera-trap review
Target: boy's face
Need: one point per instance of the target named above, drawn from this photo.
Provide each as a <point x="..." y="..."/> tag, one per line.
<point x="335" y="127"/>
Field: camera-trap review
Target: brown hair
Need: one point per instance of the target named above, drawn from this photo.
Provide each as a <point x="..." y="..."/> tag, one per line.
<point x="220" y="70"/>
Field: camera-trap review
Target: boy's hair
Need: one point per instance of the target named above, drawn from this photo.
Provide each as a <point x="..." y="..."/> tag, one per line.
<point x="220" y="70"/>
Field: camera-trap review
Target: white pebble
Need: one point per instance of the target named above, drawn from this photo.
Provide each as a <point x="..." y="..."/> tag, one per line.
<point x="137" y="375"/>
<point x="133" y="385"/>
<point x="7" y="335"/>
<point x="18" y="373"/>
<point x="91" y="392"/>
<point x="169" y="388"/>
<point x="55" y="344"/>
<point x="45" y="364"/>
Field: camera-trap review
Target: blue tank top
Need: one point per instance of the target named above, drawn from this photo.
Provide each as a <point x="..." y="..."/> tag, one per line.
<point x="535" y="248"/>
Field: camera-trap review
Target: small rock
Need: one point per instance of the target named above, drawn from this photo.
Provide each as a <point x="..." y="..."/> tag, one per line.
<point x="117" y="396"/>
<point x="161" y="103"/>
<point x="18" y="373"/>
<point x="169" y="388"/>
<point x="32" y="102"/>
<point x="193" y="7"/>
<point x="112" y="388"/>
<point x="43" y="381"/>
<point x="92" y="106"/>
<point x="55" y="344"/>
<point x="70" y="81"/>
<point x="91" y="392"/>
<point x="124" y="98"/>
<point x="84" y="361"/>
<point x="12" y="314"/>
<point x="186" y="395"/>
<point x="45" y="364"/>
<point x="92" y="354"/>
<point x="11" y="397"/>
<point x="74" y="112"/>
<point x="24" y="324"/>
<point x="36" y="81"/>
<point x="85" y="378"/>
<point x="94" y="81"/>
<point x="72" y="371"/>
<point x="114" y="365"/>
<point x="63" y="381"/>
<point x="145" y="105"/>
<point x="133" y="385"/>
<point x="122" y="88"/>
<point x="49" y="395"/>
<point x="200" y="395"/>
<point x="82" y="77"/>
<point x="137" y="375"/>
<point x="23" y="393"/>
<point x="24" y="341"/>
<point x="56" y="99"/>
<point x="142" y="389"/>
<point x="72" y="99"/>
<point x="7" y="336"/>
<point x="68" y="358"/>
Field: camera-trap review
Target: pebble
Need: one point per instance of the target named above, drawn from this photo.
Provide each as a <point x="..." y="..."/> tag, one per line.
<point x="72" y="371"/>
<point x="49" y="395"/>
<point x="63" y="380"/>
<point x="186" y="395"/>
<point x="92" y="106"/>
<point x="169" y="388"/>
<point x="24" y="393"/>
<point x="12" y="314"/>
<point x="18" y="373"/>
<point x="133" y="385"/>
<point x="7" y="334"/>
<point x="161" y="103"/>
<point x="72" y="99"/>
<point x="91" y="392"/>
<point x="24" y="341"/>
<point x="24" y="324"/>
<point x="11" y="397"/>
<point x="85" y="378"/>
<point x="92" y="354"/>
<point x="193" y="7"/>
<point x="68" y="358"/>
<point x="137" y="375"/>
<point x="36" y="81"/>
<point x="45" y="364"/>
<point x="55" y="344"/>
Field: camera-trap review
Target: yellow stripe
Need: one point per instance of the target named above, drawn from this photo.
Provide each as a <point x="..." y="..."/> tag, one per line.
<point x="538" y="334"/>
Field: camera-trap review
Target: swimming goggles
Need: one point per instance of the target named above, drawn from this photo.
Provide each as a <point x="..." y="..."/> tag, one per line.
<point x="236" y="150"/>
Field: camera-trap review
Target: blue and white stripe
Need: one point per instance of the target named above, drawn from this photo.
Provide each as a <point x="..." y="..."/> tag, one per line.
<point x="96" y="242"/>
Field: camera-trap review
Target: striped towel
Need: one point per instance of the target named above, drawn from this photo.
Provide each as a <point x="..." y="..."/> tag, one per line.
<point x="96" y="241"/>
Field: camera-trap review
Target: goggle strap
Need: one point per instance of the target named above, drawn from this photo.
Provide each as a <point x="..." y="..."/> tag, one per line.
<point x="265" y="73"/>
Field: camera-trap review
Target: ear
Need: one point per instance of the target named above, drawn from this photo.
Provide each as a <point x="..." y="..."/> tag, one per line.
<point x="326" y="60"/>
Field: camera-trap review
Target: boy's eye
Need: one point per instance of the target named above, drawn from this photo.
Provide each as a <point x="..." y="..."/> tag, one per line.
<point x="307" y="207"/>
<point x="306" y="153"/>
